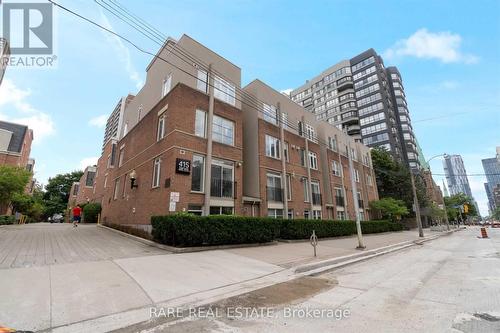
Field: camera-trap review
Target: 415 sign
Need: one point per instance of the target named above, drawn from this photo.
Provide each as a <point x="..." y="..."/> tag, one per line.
<point x="183" y="166"/>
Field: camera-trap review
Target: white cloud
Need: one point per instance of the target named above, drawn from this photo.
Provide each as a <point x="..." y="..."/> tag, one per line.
<point x="286" y="91"/>
<point x="122" y="52"/>
<point x="87" y="162"/>
<point x="13" y="98"/>
<point x="444" y="46"/>
<point x="99" y="121"/>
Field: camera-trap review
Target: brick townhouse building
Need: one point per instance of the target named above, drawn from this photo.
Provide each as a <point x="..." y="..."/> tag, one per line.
<point x="187" y="144"/>
<point x="311" y="154"/>
<point x="83" y="191"/>
<point x="15" y="149"/>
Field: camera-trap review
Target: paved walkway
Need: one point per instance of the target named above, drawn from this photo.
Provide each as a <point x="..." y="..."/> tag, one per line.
<point x="293" y="254"/>
<point x="48" y="244"/>
<point x="53" y="275"/>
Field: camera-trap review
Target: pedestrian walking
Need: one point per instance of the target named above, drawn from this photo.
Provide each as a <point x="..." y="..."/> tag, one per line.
<point x="77" y="216"/>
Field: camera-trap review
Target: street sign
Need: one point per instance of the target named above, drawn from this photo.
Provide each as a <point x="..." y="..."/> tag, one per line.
<point x="183" y="166"/>
<point x="174" y="196"/>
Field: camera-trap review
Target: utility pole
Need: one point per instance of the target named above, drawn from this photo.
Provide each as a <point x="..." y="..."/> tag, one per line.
<point x="208" y="159"/>
<point x="417" y="206"/>
<point x="284" y="186"/>
<point x="354" y="188"/>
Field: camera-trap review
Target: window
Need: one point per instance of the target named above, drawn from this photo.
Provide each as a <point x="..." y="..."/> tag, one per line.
<point x="354" y="156"/>
<point x="201" y="82"/>
<point x="272" y="147"/>
<point x="316" y="214"/>
<point x="195" y="209"/>
<point x="367" y="90"/>
<point x="340" y="215"/>
<point x="270" y="114"/>
<point x="332" y="143"/>
<point x="161" y="128"/>
<point x="372" y="119"/>
<point x="316" y="193"/>
<point x="302" y="154"/>
<point x="363" y="63"/>
<point x="307" y="214"/>
<point x="365" y="72"/>
<point x="116" y="189"/>
<point x="276" y="213"/>
<point x="223" y="130"/>
<point x="369" y="99"/>
<point x="139" y="113"/>
<point x="356" y="175"/>
<point x="285" y="152"/>
<point x="200" y="124"/>
<point x="376" y="138"/>
<point x="222" y="182"/>
<point x="310" y="133"/>
<point x="156" y="173"/>
<point x="290" y="214"/>
<point x="288" y="188"/>
<point x="274" y="189"/>
<point x="370" y="109"/>
<point x="369" y="180"/>
<point x="124" y="191"/>
<point x="224" y="90"/>
<point x="305" y="183"/>
<point x="336" y="169"/>
<point x="167" y="84"/>
<point x="105" y="181"/>
<point x="373" y="129"/>
<point x="197" y="173"/>
<point x="218" y="210"/>
<point x="75" y="189"/>
<point x="120" y="156"/>
<point x="361" y="216"/>
<point x="313" y="161"/>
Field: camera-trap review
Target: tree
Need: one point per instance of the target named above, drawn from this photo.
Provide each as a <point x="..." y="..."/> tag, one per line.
<point x="13" y="180"/>
<point x="57" y="191"/>
<point x="394" y="180"/>
<point x="455" y="204"/>
<point x="496" y="214"/>
<point x="31" y="205"/>
<point x="390" y="208"/>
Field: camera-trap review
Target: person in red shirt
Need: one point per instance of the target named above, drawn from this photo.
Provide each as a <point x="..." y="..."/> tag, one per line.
<point x="77" y="215"/>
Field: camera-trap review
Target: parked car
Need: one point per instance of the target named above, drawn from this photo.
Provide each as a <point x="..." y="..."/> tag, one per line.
<point x="57" y="218"/>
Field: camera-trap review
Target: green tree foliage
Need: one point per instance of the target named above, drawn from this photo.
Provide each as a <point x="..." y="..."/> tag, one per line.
<point x="57" y="191"/>
<point x="435" y="211"/>
<point x="455" y="203"/>
<point x="90" y="212"/>
<point x="13" y="180"/>
<point x="390" y="208"/>
<point x="394" y="180"/>
<point x="496" y="214"/>
<point x="31" y="205"/>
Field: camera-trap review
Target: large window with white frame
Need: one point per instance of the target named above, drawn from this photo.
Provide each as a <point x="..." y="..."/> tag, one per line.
<point x="201" y="82"/>
<point x="270" y="114"/>
<point x="224" y="90"/>
<point x="198" y="173"/>
<point x="305" y="183"/>
<point x="313" y="160"/>
<point x="156" y="173"/>
<point x="160" y="133"/>
<point x="288" y="187"/>
<point x="167" y="85"/>
<point x="336" y="170"/>
<point x="356" y="175"/>
<point x="223" y="130"/>
<point x="273" y="147"/>
<point x="200" y="124"/>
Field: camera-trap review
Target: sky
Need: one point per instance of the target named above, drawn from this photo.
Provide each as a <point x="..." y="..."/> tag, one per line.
<point x="448" y="53"/>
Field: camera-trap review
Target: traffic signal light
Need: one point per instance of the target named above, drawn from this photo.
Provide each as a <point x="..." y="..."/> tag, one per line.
<point x="466" y="208"/>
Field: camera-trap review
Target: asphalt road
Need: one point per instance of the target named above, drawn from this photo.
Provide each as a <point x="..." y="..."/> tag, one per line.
<point x="451" y="284"/>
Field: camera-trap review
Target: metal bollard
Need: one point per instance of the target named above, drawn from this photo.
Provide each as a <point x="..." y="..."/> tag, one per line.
<point x="314" y="241"/>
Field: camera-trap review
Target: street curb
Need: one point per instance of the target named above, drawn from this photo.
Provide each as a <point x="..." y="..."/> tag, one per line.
<point x="178" y="250"/>
<point x="338" y="262"/>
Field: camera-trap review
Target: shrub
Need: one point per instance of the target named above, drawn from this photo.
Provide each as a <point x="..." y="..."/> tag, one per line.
<point x="190" y="230"/>
<point x="91" y="211"/>
<point x="7" y="219"/>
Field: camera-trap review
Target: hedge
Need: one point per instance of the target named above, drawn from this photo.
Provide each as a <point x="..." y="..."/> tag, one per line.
<point x="90" y="212"/>
<point x="7" y="219"/>
<point x="186" y="230"/>
<point x="303" y="228"/>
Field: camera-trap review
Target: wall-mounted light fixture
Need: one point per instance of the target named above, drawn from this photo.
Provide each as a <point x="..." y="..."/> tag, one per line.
<point x="133" y="177"/>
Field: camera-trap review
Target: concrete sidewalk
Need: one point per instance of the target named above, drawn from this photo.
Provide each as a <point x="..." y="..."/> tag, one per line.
<point x="103" y="295"/>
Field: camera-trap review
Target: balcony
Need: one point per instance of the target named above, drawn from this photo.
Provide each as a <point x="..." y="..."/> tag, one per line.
<point x="339" y="201"/>
<point x="274" y="193"/>
<point x="220" y="188"/>
<point x="353" y="129"/>
<point x="349" y="118"/>
<point x="316" y="197"/>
